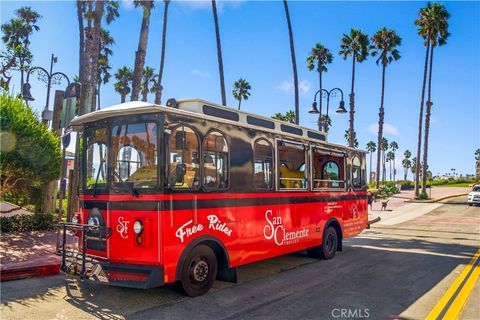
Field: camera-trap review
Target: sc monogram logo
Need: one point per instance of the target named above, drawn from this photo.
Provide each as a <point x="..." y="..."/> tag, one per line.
<point x="122" y="227"/>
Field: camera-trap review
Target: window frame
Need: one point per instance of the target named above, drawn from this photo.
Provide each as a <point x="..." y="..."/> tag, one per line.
<point x="328" y="152"/>
<point x="362" y="179"/>
<point x="167" y="158"/>
<point x="273" y="169"/>
<point x="202" y="162"/>
<point x="277" y="166"/>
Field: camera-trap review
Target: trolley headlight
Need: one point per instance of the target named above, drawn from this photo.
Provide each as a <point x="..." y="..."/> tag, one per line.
<point x="75" y="219"/>
<point x="138" y="227"/>
<point x="93" y="221"/>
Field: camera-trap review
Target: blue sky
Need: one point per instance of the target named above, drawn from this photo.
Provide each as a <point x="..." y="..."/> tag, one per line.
<point x="255" y="46"/>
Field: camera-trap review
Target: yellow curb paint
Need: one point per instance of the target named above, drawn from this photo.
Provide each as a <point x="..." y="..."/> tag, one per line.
<point x="462" y="297"/>
<point x="453" y="288"/>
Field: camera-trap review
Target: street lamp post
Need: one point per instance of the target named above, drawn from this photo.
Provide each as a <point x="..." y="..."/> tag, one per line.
<point x="49" y="78"/>
<point x="332" y="93"/>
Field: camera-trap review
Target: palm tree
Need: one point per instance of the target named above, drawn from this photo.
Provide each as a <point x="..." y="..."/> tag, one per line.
<point x="104" y="67"/>
<point x="406" y="163"/>
<point x="321" y="56"/>
<point x="159" y="87"/>
<point x="371" y="147"/>
<point x="356" y="45"/>
<point x="124" y="78"/>
<point x="414" y="165"/>
<point x="219" y="53"/>
<point x="390" y="159"/>
<point x="437" y="18"/>
<point x="347" y="137"/>
<point x="241" y="91"/>
<point x="394" y="147"/>
<point x="16" y="35"/>
<point x="477" y="163"/>
<point x="383" y="149"/>
<point x="148" y="78"/>
<point x="294" y="63"/>
<point x="289" y="116"/>
<point x="384" y="45"/>
<point x="147" y="6"/>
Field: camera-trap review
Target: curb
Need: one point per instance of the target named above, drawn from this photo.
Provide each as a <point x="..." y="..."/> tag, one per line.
<point x="436" y="200"/>
<point x="28" y="269"/>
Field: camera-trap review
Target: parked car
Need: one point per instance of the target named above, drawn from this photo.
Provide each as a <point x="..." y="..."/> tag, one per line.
<point x="474" y="195"/>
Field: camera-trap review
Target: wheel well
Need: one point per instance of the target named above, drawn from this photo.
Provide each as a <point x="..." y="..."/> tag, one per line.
<point x="338" y="229"/>
<point x="223" y="260"/>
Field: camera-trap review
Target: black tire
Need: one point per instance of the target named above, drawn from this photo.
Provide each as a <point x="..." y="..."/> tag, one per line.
<point x="329" y="245"/>
<point x="199" y="271"/>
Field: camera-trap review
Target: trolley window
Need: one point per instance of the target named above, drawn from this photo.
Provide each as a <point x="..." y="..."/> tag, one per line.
<point x="356" y="173"/>
<point x="328" y="170"/>
<point x="263" y="163"/>
<point x="96" y="158"/>
<point x="134" y="155"/>
<point x="291" y="165"/>
<point x="215" y="161"/>
<point x="183" y="159"/>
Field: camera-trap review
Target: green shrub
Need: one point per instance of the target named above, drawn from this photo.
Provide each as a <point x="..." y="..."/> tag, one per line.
<point x="34" y="222"/>
<point x="424" y="196"/>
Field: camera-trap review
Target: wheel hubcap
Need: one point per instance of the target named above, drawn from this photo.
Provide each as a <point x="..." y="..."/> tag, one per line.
<point x="199" y="270"/>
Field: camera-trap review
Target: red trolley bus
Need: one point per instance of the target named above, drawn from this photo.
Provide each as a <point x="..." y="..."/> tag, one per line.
<point x="191" y="190"/>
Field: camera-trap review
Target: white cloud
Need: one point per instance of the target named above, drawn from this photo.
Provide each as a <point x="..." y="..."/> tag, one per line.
<point x="202" y="74"/>
<point x="127" y="4"/>
<point x="304" y="86"/>
<point x="287" y="86"/>
<point x="388" y="129"/>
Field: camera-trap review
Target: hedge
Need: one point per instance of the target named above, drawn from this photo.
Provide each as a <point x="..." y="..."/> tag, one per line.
<point x="23" y="222"/>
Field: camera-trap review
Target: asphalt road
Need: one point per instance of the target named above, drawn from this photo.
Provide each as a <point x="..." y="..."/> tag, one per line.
<point x="408" y="266"/>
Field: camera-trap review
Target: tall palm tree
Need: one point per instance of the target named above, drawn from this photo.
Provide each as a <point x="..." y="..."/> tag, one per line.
<point x="147" y="6"/>
<point x="389" y="158"/>
<point x="219" y="53"/>
<point x="294" y="62"/>
<point x="371" y="147"/>
<point x="394" y="147"/>
<point x="241" y="91"/>
<point x="414" y="165"/>
<point x="383" y="149"/>
<point x="159" y="87"/>
<point x="384" y="46"/>
<point x="320" y="56"/>
<point x="406" y="163"/>
<point x="148" y="82"/>
<point x="438" y="20"/>
<point x="104" y="66"/>
<point x="124" y="78"/>
<point x="477" y="163"/>
<point x="289" y="116"/>
<point x="347" y="137"/>
<point x="356" y="45"/>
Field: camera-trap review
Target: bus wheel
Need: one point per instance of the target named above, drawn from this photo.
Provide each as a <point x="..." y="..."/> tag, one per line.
<point x="199" y="271"/>
<point x="329" y="245"/>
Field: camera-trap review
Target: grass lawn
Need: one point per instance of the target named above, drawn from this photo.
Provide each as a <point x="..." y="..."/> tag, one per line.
<point x="464" y="184"/>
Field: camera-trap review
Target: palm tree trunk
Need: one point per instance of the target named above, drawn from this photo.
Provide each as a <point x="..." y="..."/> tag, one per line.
<point x="144" y="95"/>
<point x="370" y="173"/>
<point x="420" y="121"/>
<point x="122" y="98"/>
<point x="239" y="103"/>
<point x="427" y="125"/>
<point x="380" y="125"/>
<point x="294" y="63"/>
<point x="352" y="103"/>
<point x="405" y="173"/>
<point x="219" y="53"/>
<point x="320" y="124"/>
<point x="98" y="94"/>
<point x="141" y="52"/>
<point x="158" y="89"/>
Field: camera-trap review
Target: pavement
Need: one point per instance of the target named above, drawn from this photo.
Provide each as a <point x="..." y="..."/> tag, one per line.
<point x="414" y="269"/>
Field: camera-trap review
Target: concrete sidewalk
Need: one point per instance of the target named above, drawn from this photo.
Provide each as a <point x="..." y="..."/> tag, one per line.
<point x="28" y="254"/>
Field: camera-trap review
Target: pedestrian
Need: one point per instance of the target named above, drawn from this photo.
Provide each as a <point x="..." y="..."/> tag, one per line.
<point x="370" y="200"/>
